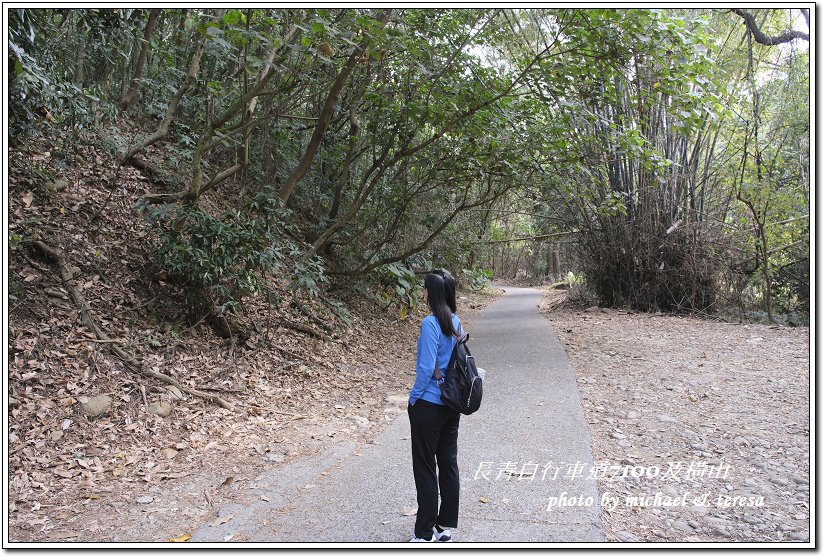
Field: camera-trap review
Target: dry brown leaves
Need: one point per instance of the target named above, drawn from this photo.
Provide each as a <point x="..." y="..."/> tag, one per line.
<point x="659" y="389"/>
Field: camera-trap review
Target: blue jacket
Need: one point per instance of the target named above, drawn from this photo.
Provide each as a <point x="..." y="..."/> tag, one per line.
<point x="432" y="343"/>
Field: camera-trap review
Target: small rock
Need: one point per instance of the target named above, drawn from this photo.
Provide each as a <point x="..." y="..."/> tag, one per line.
<point x="666" y="418"/>
<point x="626" y="537"/>
<point x="59" y="185"/>
<point x="742" y="441"/>
<point x="96" y="405"/>
<point x="54" y="293"/>
<point x="632" y="415"/>
<point x="360" y="420"/>
<point x="752" y="519"/>
<point x="274" y="457"/>
<point x="716" y="522"/>
<point x="669" y="490"/>
<point x="169" y="452"/>
<point x="778" y="480"/>
<point x="616" y="435"/>
<point x="721" y="532"/>
<point x="175" y="392"/>
<point x="145" y="499"/>
<point x="700" y="509"/>
<point x="800" y="480"/>
<point x="683" y="526"/>
<point x="161" y="408"/>
<point x="799" y="536"/>
<point x="593" y="309"/>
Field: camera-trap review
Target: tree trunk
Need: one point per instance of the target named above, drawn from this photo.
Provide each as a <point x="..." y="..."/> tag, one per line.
<point x="130" y="95"/>
<point x="248" y="101"/>
<point x="177" y="36"/>
<point x="163" y="128"/>
<point x="80" y="55"/>
<point x="325" y="117"/>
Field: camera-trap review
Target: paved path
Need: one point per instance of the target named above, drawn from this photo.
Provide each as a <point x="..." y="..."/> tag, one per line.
<point x="531" y="417"/>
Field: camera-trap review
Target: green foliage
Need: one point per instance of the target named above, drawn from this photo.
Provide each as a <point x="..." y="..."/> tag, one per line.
<point x="400" y="286"/>
<point x="40" y="88"/>
<point x="28" y="92"/>
<point x="218" y="261"/>
<point x="15" y="240"/>
<point x="477" y="279"/>
<point x="572" y="279"/>
<point x="452" y="127"/>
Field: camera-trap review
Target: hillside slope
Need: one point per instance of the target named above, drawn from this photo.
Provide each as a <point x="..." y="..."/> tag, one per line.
<point x="298" y="377"/>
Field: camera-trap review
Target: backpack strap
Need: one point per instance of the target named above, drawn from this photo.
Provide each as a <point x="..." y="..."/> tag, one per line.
<point x="458" y="337"/>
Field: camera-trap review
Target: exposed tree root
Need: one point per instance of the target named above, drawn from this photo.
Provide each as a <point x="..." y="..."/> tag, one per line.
<point x="67" y="275"/>
<point x="319" y="322"/>
<point x="304" y="329"/>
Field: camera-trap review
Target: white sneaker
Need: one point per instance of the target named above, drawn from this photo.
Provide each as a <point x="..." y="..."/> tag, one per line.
<point x="416" y="539"/>
<point x="445" y="536"/>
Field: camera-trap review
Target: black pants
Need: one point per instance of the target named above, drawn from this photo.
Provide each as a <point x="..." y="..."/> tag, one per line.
<point x="435" y="439"/>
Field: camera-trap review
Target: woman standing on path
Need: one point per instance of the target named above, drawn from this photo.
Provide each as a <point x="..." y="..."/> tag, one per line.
<point x="434" y="426"/>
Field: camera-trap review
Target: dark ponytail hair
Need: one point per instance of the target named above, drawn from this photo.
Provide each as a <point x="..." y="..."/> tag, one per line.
<point x="438" y="291"/>
<point x="449" y="288"/>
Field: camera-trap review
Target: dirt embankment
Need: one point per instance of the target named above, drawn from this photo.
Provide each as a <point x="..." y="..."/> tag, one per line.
<point x="130" y="475"/>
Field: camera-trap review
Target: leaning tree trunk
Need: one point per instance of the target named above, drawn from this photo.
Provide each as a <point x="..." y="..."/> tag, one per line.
<point x="163" y="128"/>
<point x="130" y="95"/>
<point x="79" y="55"/>
<point x="325" y="116"/>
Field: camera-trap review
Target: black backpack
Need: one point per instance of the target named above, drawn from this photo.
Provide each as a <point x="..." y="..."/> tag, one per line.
<point x="462" y="388"/>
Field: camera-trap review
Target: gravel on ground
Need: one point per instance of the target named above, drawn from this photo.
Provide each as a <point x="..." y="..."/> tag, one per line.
<point x="700" y="429"/>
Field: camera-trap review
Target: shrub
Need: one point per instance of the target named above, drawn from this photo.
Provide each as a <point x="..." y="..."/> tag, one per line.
<point x="477" y="279"/>
<point x="400" y="286"/>
<point x="217" y="261"/>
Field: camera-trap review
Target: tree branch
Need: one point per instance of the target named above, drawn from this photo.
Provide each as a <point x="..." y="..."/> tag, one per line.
<point x="325" y="117"/>
<point x="526" y="238"/>
<point x="761" y="38"/>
